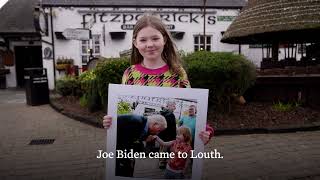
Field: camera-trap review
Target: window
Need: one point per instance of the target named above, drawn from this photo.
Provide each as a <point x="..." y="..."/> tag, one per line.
<point x="199" y="42"/>
<point x="85" y="48"/>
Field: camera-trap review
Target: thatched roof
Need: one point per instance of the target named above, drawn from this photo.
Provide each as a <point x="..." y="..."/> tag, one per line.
<point x="267" y="21"/>
<point x="17" y="17"/>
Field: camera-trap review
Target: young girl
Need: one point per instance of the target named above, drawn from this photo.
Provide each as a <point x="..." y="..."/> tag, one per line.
<point x="176" y="166"/>
<point x="155" y="62"/>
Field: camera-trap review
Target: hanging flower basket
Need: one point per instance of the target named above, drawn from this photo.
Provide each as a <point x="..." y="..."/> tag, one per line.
<point x="62" y="67"/>
<point x="64" y="64"/>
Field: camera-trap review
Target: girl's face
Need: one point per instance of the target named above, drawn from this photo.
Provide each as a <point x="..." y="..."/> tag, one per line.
<point x="192" y="111"/>
<point x="180" y="137"/>
<point x="150" y="43"/>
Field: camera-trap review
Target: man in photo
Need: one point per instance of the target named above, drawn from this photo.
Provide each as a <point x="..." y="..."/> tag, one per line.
<point x="132" y="130"/>
<point x="168" y="134"/>
<point x="190" y="120"/>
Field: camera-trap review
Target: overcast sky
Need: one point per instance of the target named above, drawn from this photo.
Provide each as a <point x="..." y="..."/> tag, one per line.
<point x="2" y="2"/>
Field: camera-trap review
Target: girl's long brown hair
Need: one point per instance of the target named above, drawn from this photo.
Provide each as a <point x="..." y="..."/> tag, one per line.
<point x="185" y="131"/>
<point x="169" y="54"/>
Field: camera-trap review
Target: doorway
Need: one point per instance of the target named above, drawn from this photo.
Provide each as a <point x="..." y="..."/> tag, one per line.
<point x="26" y="57"/>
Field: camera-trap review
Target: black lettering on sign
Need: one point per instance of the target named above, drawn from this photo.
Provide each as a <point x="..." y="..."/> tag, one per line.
<point x="170" y="26"/>
<point x="165" y="17"/>
<point x="174" y="17"/>
<point x="84" y="19"/>
<point x="127" y="26"/>
<point x="102" y="16"/>
<point x="125" y="18"/>
<point x="193" y="19"/>
<point x="115" y="17"/>
<point x="211" y="19"/>
<point x="138" y="16"/>
<point x="181" y="20"/>
<point x="94" y="17"/>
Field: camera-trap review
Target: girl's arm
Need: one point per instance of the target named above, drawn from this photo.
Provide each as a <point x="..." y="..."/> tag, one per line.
<point x="186" y="166"/>
<point x="161" y="142"/>
<point x="187" y="163"/>
<point x="125" y="76"/>
<point x="184" y="82"/>
<point x="206" y="135"/>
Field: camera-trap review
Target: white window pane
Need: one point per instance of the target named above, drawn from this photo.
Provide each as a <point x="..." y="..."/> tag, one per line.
<point x="84" y="50"/>
<point x="97" y="49"/>
<point x="84" y="59"/>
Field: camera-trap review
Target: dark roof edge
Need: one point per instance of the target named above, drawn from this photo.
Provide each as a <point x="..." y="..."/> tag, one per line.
<point x="275" y="36"/>
<point x="20" y="33"/>
<point x="139" y="6"/>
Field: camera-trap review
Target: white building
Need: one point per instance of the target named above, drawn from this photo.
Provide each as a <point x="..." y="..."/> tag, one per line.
<point x="111" y="24"/>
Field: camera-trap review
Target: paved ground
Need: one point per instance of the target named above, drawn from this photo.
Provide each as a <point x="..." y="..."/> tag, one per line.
<point x="293" y="156"/>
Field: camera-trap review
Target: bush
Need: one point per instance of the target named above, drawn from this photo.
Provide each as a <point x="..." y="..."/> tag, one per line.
<point x="225" y="75"/>
<point x="85" y="79"/>
<point x="109" y="71"/>
<point x="89" y="86"/>
<point x="284" y="107"/>
<point x="124" y="108"/>
<point x="68" y="86"/>
<point x="83" y="101"/>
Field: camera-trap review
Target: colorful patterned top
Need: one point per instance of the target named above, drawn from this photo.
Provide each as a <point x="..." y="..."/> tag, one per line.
<point x="177" y="163"/>
<point x="162" y="77"/>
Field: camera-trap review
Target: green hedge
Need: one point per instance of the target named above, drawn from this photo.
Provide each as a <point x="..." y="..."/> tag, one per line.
<point x="224" y="74"/>
<point x="68" y="86"/>
<point x="109" y="71"/>
<point x="89" y="86"/>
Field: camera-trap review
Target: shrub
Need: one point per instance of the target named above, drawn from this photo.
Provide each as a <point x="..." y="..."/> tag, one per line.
<point x="89" y="86"/>
<point x="284" y="107"/>
<point x="92" y="96"/>
<point x="124" y="108"/>
<point x="85" y="79"/>
<point x="225" y="75"/>
<point x="68" y="86"/>
<point x="83" y="101"/>
<point x="109" y="71"/>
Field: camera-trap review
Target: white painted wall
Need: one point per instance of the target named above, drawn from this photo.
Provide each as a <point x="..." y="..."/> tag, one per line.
<point x="72" y="18"/>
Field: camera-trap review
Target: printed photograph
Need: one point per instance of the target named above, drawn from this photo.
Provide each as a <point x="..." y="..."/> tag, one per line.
<point x="167" y="125"/>
<point x="155" y="134"/>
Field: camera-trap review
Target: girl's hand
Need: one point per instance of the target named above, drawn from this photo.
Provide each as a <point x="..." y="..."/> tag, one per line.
<point x="150" y="138"/>
<point x="205" y="136"/>
<point x="155" y="137"/>
<point x="107" y="121"/>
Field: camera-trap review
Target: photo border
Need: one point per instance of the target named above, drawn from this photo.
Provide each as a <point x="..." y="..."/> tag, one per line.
<point x="115" y="90"/>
